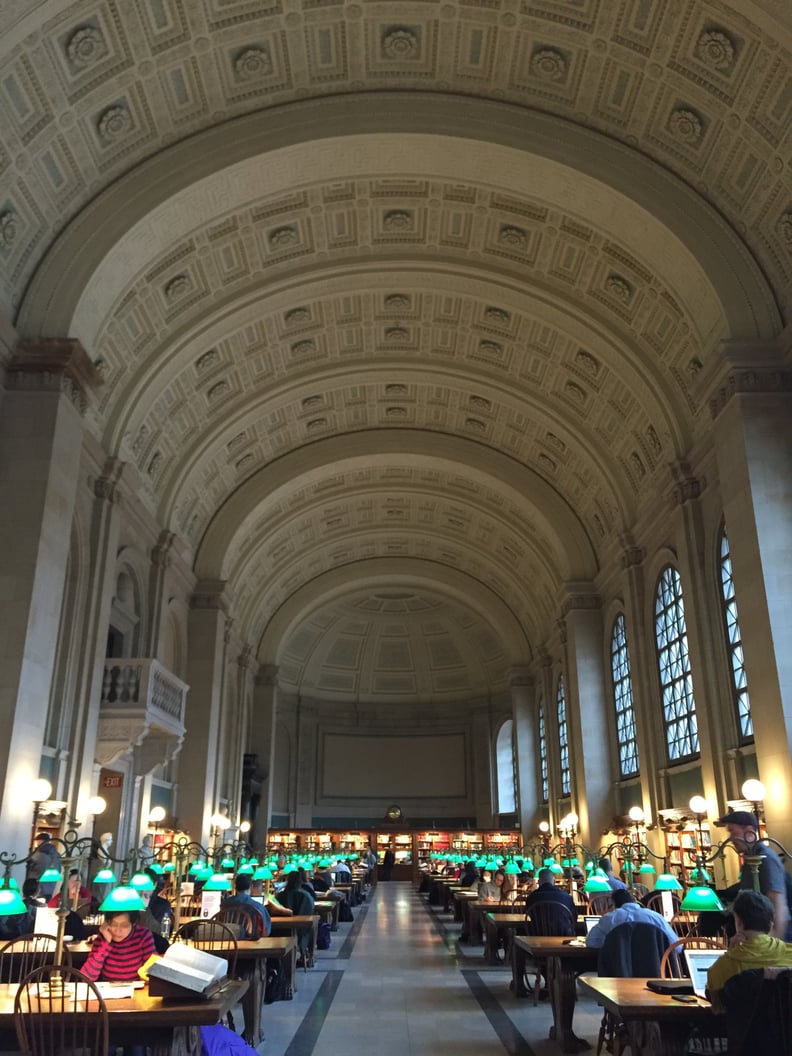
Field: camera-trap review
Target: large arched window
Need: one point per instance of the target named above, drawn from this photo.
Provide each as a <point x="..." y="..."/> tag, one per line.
<point x="504" y="758"/>
<point x="623" y="699"/>
<point x="673" y="658"/>
<point x="543" y="754"/>
<point x="734" y="642"/>
<point x="563" y="737"/>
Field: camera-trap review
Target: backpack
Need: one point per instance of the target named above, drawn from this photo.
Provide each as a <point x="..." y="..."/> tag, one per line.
<point x="345" y="915"/>
<point x="323" y="935"/>
<point x="277" y="987"/>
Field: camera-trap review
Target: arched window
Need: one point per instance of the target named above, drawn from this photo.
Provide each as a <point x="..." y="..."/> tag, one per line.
<point x="504" y="760"/>
<point x="623" y="699"/>
<point x="673" y="658"/>
<point x="734" y="642"/>
<point x="543" y="754"/>
<point x="563" y="737"/>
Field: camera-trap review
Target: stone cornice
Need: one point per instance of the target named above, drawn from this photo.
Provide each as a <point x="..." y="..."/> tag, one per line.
<point x="520" y="676"/>
<point x="687" y="486"/>
<point x="209" y="594"/>
<point x="579" y="596"/>
<point x="107" y="487"/>
<point x="746" y="367"/>
<point x="53" y="364"/>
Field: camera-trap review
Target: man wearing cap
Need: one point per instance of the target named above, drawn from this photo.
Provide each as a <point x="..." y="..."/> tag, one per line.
<point x="45" y="856"/>
<point x="743" y="830"/>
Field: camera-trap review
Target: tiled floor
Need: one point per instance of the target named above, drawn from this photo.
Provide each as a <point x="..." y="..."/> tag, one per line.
<point x="397" y="983"/>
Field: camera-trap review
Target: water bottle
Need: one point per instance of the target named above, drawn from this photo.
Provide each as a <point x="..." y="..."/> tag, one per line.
<point x="167" y="924"/>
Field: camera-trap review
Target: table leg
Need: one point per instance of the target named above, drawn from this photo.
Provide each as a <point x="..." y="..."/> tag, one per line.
<point x="563" y="997"/>
<point x="519" y="960"/>
<point x="252" y="1001"/>
<point x="649" y="1040"/>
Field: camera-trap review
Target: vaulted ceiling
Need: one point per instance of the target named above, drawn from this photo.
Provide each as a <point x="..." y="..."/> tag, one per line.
<point x="405" y="297"/>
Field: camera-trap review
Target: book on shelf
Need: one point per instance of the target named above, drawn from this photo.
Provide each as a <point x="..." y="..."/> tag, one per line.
<point x="184" y="971"/>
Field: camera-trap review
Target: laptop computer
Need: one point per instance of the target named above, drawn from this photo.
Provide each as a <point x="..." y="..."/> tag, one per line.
<point x="698" y="964"/>
<point x="590" y="922"/>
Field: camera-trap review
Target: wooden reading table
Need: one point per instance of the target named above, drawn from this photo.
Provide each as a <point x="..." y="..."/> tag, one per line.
<point x="658" y="1025"/>
<point x="167" y="1027"/>
<point x="563" y="960"/>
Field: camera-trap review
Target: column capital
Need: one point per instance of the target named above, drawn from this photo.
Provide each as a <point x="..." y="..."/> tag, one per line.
<point x="160" y="552"/>
<point x="107" y="487"/>
<point x="245" y="660"/>
<point x="267" y="675"/>
<point x="740" y="367"/>
<point x="687" y="486"/>
<point x="209" y="594"/>
<point x="632" y="554"/>
<point x="520" y="675"/>
<point x="579" y="596"/>
<point x="54" y="364"/>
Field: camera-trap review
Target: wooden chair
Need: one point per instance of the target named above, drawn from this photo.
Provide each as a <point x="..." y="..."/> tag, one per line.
<point x="599" y="904"/>
<point x="546" y="917"/>
<point x="672" y="966"/>
<point x="685" y="924"/>
<point x="52" y="1015"/>
<point x="21" y="956"/>
<point x="245" y="923"/>
<point x="215" y="937"/>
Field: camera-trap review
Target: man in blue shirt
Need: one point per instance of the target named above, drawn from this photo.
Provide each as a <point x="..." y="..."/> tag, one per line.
<point x="743" y="830"/>
<point x="604" y="864"/>
<point x="627" y="911"/>
<point x="243" y="900"/>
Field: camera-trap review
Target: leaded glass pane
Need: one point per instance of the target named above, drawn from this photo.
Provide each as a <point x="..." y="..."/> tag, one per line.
<point x="543" y="754"/>
<point x="563" y="738"/>
<point x="623" y="700"/>
<point x="676" y="686"/>
<point x="742" y="700"/>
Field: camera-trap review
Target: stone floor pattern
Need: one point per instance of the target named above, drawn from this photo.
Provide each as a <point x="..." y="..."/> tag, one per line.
<point x="397" y="983"/>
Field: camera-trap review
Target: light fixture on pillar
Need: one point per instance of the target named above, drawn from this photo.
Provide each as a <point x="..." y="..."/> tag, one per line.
<point x="637" y="817"/>
<point x="156" y="817"/>
<point x="244" y="827"/>
<point x="40" y="792"/>
<point x="754" y="790"/>
<point x="700" y="808"/>
<point x="219" y="823"/>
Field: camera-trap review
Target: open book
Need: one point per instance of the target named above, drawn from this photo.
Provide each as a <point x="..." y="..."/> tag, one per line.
<point x="185" y="971"/>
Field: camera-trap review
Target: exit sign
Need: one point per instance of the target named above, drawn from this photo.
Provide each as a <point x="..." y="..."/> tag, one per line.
<point x="112" y="780"/>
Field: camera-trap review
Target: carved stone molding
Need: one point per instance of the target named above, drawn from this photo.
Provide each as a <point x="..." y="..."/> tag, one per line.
<point x="580" y="596"/>
<point x="749" y="380"/>
<point x="54" y="364"/>
<point x="106" y="488"/>
<point x="633" y="556"/>
<point x="687" y="486"/>
<point x="246" y="660"/>
<point x="160" y="553"/>
<point x="562" y="630"/>
<point x="520" y="677"/>
<point x="208" y="594"/>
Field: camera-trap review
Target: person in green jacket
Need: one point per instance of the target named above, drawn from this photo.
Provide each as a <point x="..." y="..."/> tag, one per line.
<point x="752" y="946"/>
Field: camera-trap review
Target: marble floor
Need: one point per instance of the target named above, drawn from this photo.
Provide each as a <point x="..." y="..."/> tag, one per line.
<point x="397" y="983"/>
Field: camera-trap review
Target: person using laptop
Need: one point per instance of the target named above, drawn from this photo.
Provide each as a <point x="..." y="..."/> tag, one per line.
<point x="752" y="946"/>
<point x="627" y="911"/>
<point x="614" y="883"/>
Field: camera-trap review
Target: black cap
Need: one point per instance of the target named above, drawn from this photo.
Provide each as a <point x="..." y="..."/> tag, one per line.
<point x="739" y="817"/>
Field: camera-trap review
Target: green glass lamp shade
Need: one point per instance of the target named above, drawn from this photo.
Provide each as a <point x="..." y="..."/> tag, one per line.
<point x="169" y="867"/>
<point x="246" y="870"/>
<point x="254" y="862"/>
<point x="596" y="885"/>
<point x="155" y="867"/>
<point x="8" y="883"/>
<point x="528" y="864"/>
<point x="589" y="867"/>
<point x="11" y="904"/>
<point x="227" y="863"/>
<point x="50" y="876"/>
<point x="263" y="873"/>
<point x="491" y="864"/>
<point x="512" y="869"/>
<point x="702" y="900"/>
<point x="547" y="862"/>
<point x="288" y="869"/>
<point x="122" y="899"/>
<point x="142" y="882"/>
<point x="667" y="882"/>
<point x="700" y="877"/>
<point x="217" y="882"/>
<point x="481" y="862"/>
<point x="647" y="869"/>
<point x="105" y="876"/>
<point x="196" y="868"/>
<point x="556" y="868"/>
<point x="204" y="874"/>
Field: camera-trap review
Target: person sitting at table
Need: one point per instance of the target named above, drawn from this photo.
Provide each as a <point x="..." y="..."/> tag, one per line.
<point x="296" y="898"/>
<point x="489" y="890"/>
<point x="259" y="923"/>
<point x="274" y="907"/>
<point x="546" y="891"/>
<point x="469" y="875"/>
<point x="77" y="892"/>
<point x="509" y="892"/>
<point x="627" y="911"/>
<point x="119" y="950"/>
<point x="343" y="872"/>
<point x="751" y="947"/>
<point x="614" y="883"/>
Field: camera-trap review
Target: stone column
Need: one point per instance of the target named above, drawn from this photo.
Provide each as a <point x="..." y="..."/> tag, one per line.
<point x="160" y="562"/>
<point x="521" y="684"/>
<point x="694" y="560"/>
<point x="547" y="693"/>
<point x="484" y="790"/>
<point x="305" y="764"/>
<point x="752" y="413"/>
<point x="588" y="712"/>
<point x="41" y="433"/>
<point x="262" y="744"/>
<point x="205" y="674"/>
<point x="102" y="550"/>
<point x="237" y="733"/>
